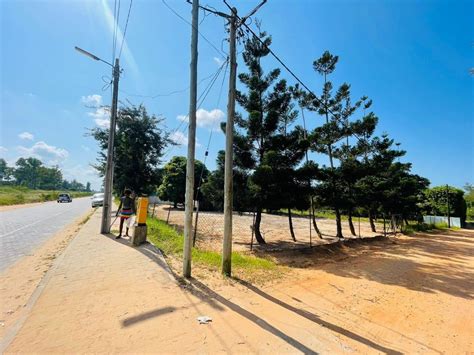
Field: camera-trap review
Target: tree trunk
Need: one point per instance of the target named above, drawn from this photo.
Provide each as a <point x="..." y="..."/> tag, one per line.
<point x="338" y="224"/>
<point x="351" y="225"/>
<point x="258" y="235"/>
<point x="406" y="221"/>
<point x="175" y="204"/>
<point x="371" y="221"/>
<point x="313" y="217"/>
<point x="290" y="222"/>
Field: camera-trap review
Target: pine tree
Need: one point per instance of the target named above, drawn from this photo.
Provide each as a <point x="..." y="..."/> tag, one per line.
<point x="267" y="104"/>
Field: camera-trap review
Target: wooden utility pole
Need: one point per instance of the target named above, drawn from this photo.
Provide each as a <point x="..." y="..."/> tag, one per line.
<point x="229" y="140"/>
<point x="189" y="196"/>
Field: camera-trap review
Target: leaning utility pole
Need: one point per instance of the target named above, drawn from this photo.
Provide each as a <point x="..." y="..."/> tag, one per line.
<point x="229" y="140"/>
<point x="109" y="167"/>
<point x="189" y="196"/>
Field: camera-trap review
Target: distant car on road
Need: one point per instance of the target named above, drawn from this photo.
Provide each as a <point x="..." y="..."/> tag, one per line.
<point x="64" y="198"/>
<point x="97" y="200"/>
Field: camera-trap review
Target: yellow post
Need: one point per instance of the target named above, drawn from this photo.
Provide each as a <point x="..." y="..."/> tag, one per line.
<point x="142" y="210"/>
<point x="140" y="230"/>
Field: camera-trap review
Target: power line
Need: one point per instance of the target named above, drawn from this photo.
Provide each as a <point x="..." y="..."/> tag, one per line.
<point x="113" y="32"/>
<point x="315" y="97"/>
<point x="116" y="22"/>
<point x="189" y="23"/>
<point x="201" y="99"/>
<point x="169" y="93"/>
<point x="125" y="29"/>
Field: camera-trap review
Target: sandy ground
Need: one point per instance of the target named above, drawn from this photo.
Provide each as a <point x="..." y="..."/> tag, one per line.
<point x="403" y="295"/>
<point x="18" y="282"/>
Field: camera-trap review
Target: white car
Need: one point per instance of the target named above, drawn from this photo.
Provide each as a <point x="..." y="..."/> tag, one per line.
<point x="97" y="200"/>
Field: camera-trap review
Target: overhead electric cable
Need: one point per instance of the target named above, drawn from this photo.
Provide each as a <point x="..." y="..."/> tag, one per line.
<point x="125" y="29"/>
<point x="190" y="24"/>
<point x="166" y="94"/>
<point x="201" y="99"/>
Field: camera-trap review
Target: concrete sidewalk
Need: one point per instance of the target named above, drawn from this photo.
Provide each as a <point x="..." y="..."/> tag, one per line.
<point x="103" y="295"/>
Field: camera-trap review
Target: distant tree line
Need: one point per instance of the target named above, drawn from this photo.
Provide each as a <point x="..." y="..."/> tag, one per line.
<point x="31" y="173"/>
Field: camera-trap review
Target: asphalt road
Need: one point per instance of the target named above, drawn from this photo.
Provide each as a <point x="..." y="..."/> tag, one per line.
<point x="25" y="228"/>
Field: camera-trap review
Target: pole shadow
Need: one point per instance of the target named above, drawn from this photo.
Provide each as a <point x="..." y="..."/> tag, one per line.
<point x="147" y="315"/>
<point x="314" y="318"/>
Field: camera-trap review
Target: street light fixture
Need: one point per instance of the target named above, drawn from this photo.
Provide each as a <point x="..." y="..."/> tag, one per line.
<point x="109" y="167"/>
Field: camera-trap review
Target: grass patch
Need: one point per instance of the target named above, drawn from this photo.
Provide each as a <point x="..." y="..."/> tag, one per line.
<point x="425" y="227"/>
<point x="170" y="242"/>
<point x="16" y="195"/>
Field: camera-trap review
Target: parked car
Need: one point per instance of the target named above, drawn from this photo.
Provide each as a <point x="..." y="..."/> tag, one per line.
<point x="64" y="198"/>
<point x="97" y="200"/>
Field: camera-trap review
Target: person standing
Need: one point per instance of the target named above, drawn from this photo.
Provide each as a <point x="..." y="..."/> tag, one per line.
<point x="126" y="210"/>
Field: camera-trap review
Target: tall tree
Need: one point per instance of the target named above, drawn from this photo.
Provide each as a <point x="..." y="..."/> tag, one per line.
<point x="49" y="178"/>
<point x="173" y="185"/>
<point x="266" y="103"/>
<point x="438" y="198"/>
<point x="213" y="188"/>
<point x="139" y="145"/>
<point x="324" y="138"/>
<point x="27" y="172"/>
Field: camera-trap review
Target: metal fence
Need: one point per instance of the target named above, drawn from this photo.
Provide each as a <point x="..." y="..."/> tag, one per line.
<point x="454" y="221"/>
<point x="274" y="228"/>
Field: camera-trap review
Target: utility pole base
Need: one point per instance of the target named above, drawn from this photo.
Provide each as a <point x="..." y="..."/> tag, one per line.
<point x="139" y="235"/>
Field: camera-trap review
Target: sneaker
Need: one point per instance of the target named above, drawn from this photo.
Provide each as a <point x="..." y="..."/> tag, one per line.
<point x="118" y="237"/>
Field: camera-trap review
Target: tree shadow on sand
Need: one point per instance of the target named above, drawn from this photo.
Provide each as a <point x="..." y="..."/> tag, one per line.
<point x="429" y="263"/>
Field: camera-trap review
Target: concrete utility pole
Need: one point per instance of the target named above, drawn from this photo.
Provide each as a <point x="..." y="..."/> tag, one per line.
<point x="229" y="140"/>
<point x="189" y="196"/>
<point x="109" y="167"/>
<point x="235" y="22"/>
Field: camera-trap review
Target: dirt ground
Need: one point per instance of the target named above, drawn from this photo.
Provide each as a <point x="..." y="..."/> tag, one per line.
<point x="407" y="294"/>
<point x="404" y="294"/>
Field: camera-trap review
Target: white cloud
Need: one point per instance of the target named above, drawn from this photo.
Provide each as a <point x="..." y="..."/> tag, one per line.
<point x="101" y="116"/>
<point x="3" y="149"/>
<point x="206" y="119"/>
<point x="179" y="138"/>
<point x="218" y="61"/>
<point x="49" y="154"/>
<point x="94" y="100"/>
<point x="26" y="135"/>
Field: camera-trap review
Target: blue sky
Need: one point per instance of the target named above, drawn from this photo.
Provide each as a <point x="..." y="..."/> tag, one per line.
<point x="412" y="58"/>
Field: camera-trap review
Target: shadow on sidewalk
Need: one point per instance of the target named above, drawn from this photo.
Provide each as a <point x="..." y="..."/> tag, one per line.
<point x="215" y="300"/>
<point x="147" y="315"/>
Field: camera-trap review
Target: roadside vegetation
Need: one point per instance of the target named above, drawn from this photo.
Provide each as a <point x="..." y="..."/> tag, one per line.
<point x="245" y="267"/>
<point x="31" y="181"/>
<point x="16" y="195"/>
